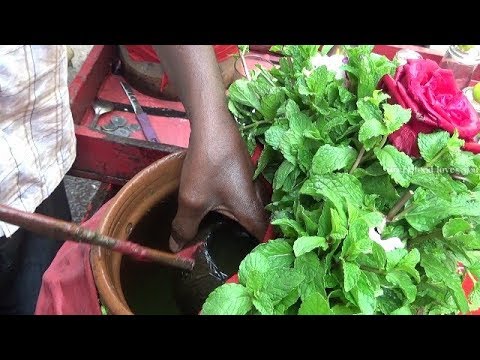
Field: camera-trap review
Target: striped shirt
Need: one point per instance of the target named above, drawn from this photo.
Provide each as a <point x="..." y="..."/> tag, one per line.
<point x="37" y="136"/>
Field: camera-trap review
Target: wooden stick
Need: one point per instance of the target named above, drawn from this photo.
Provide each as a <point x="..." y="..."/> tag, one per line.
<point x="63" y="231"/>
<point x="399" y="205"/>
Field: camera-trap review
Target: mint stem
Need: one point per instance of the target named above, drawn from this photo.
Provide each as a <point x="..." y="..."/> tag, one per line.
<point x="370" y="269"/>
<point x="244" y="64"/>
<point x="357" y="160"/>
<point x="384" y="140"/>
<point x="399" y="205"/>
<point x="401" y="215"/>
<point x="434" y="160"/>
<point x="255" y="124"/>
<point x="461" y="178"/>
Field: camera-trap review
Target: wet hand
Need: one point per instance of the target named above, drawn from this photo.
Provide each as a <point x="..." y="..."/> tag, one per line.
<point x="217" y="176"/>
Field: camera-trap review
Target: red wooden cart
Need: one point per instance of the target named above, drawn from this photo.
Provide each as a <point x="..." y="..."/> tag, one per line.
<point x="113" y="160"/>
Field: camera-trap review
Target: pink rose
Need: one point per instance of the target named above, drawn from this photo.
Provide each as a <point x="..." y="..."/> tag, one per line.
<point x="436" y="103"/>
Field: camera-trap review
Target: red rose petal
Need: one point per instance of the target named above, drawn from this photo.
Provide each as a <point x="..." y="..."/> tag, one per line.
<point x="442" y="81"/>
<point x="400" y="72"/>
<point x="408" y="100"/>
<point x="405" y="138"/>
<point x="473" y="147"/>
<point x="390" y="87"/>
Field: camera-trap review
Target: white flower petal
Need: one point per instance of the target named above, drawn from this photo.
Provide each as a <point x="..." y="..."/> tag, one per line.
<point x="374" y="235"/>
<point x="333" y="63"/>
<point x="387" y="244"/>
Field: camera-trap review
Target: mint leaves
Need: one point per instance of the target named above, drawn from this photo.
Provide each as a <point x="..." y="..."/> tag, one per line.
<point x="228" y="299"/>
<point x="342" y="197"/>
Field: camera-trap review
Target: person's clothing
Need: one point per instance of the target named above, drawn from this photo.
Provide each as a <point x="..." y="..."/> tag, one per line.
<point x="148" y="53"/>
<point x="25" y="256"/>
<point x="37" y="135"/>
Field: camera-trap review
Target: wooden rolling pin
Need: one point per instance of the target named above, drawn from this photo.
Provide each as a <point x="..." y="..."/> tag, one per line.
<point x="63" y="231"/>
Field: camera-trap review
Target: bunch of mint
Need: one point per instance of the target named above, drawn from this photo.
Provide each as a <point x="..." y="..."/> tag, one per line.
<point x="365" y="229"/>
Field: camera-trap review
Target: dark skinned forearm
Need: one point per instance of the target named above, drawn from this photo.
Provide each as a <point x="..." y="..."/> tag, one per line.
<point x="195" y="72"/>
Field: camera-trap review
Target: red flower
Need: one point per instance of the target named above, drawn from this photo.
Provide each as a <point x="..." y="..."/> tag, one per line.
<point x="436" y="103"/>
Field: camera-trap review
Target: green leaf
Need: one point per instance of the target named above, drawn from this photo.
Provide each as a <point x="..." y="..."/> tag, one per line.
<point x="436" y="269"/>
<point x="364" y="295"/>
<point x="278" y="252"/>
<point x="265" y="157"/>
<point x="371" y="69"/>
<point x="403" y="281"/>
<point x="309" y="218"/>
<point x="369" y="133"/>
<point x="298" y="121"/>
<point x="325" y="220"/>
<point x="271" y="102"/>
<point x="455" y="226"/>
<point x="291" y="142"/>
<point x="344" y="310"/>
<point x="318" y="80"/>
<point x="313" y="270"/>
<point x="339" y="224"/>
<point x="357" y="241"/>
<point x="395" y="116"/>
<point x="337" y="187"/>
<point x="305" y="157"/>
<point x="475" y="269"/>
<point x="315" y="304"/>
<point x="379" y="256"/>
<point x="228" y="299"/>
<point x="330" y="158"/>
<point x="351" y="274"/>
<point x="382" y="186"/>
<point x="263" y="303"/>
<point x="378" y="97"/>
<point x="394" y="257"/>
<point x="282" y="173"/>
<point x="440" y="184"/>
<point x="279" y="283"/>
<point x="390" y="300"/>
<point x="289" y="227"/>
<point x="404" y="310"/>
<point x="474" y="298"/>
<point x="397" y="164"/>
<point x="291" y="180"/>
<point x="252" y="270"/>
<point x="466" y="204"/>
<point x="274" y="135"/>
<point x="427" y="211"/>
<point x="373" y="128"/>
<point x="241" y="92"/>
<point x="408" y="264"/>
<point x="305" y="244"/>
<point x="285" y="305"/>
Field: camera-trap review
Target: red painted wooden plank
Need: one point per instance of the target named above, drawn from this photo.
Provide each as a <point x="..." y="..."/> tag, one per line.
<point x="111" y="90"/>
<point x="114" y="159"/>
<point x="169" y="130"/>
<point x="84" y="87"/>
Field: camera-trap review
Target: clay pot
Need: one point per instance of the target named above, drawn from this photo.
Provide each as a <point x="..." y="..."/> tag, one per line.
<point x="129" y="206"/>
<point x="143" y="211"/>
<point x="146" y="76"/>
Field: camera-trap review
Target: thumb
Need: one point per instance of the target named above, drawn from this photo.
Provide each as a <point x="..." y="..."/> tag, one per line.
<point x="184" y="227"/>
